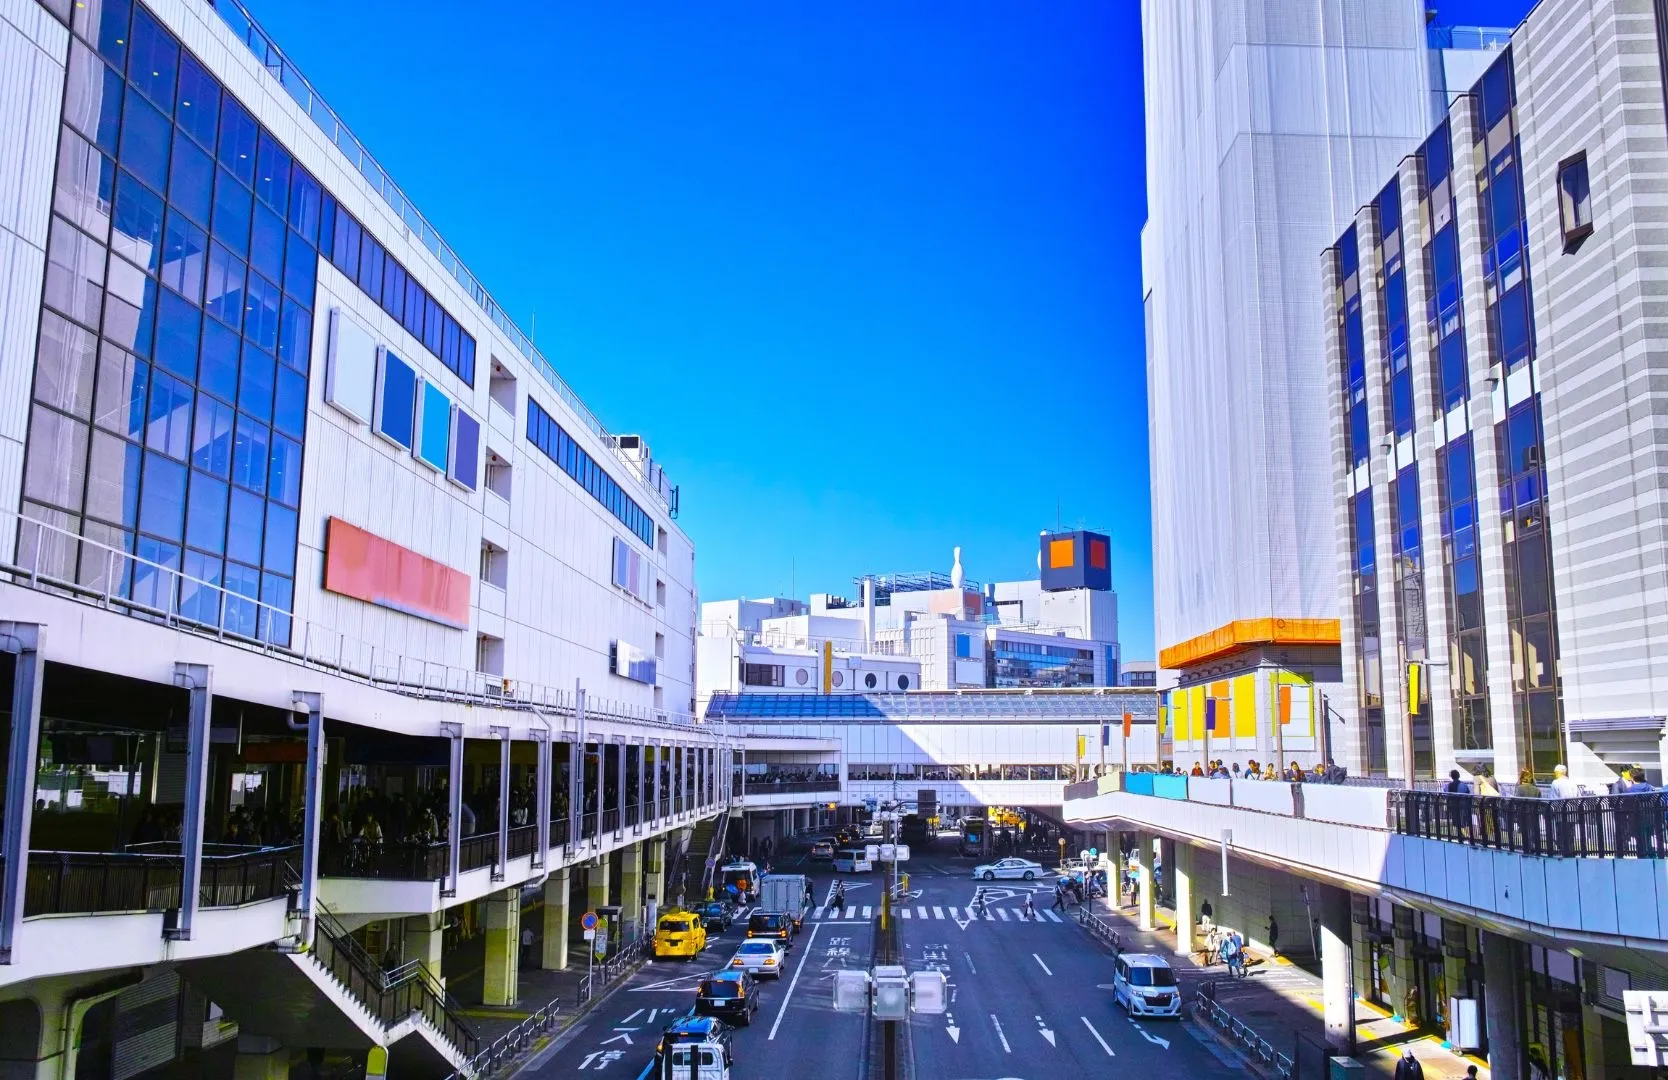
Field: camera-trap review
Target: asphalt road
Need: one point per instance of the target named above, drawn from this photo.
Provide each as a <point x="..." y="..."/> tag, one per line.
<point x="1027" y="999"/>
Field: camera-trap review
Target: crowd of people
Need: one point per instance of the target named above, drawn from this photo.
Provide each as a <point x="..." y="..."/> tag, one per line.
<point x="1328" y="772"/>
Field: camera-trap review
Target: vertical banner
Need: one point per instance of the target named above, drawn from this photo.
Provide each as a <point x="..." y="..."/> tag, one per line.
<point x="1413" y="696"/>
<point x="1285" y="705"/>
<point x="1082" y="745"/>
<point x="1210" y="715"/>
<point x="827" y="667"/>
<point x="1106" y="732"/>
<point x="1129" y="722"/>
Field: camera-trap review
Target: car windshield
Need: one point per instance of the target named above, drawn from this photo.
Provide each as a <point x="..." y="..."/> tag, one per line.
<point x="721" y="988"/>
<point x="755" y="947"/>
<point x="675" y="926"/>
<point x="1155" y="976"/>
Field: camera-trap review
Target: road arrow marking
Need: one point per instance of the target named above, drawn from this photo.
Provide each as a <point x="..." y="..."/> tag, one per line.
<point x="1150" y="1038"/>
<point x="1046" y="1032"/>
<point x="951" y="1029"/>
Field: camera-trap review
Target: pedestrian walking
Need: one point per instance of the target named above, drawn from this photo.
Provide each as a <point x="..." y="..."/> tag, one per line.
<point x="1030" y="908"/>
<point x="1408" y="1068"/>
<point x="1459" y="802"/>
<point x="1059" y="898"/>
<point x="526" y="946"/>
<point x="1273" y="936"/>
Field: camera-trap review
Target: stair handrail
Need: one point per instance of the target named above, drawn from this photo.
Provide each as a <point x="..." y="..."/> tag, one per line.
<point x="715" y="851"/>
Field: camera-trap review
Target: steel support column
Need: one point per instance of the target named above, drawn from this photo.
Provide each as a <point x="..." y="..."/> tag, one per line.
<point x="313" y="705"/>
<point x="541" y="795"/>
<point x="24" y="641"/>
<point x="197" y="680"/>
<point x="454" y="810"/>
<point x="500" y="869"/>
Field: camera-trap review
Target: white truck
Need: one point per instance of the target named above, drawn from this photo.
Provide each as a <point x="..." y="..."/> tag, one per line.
<point x="789" y="893"/>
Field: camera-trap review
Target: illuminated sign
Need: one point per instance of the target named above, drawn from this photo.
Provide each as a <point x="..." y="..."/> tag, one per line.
<point x="367" y="567"/>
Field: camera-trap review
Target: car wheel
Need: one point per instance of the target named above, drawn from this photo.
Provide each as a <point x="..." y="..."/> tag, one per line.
<point x="1030" y="875"/>
<point x="990" y="875"/>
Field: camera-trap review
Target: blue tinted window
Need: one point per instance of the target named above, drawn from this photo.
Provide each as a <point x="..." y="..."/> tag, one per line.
<point x="154" y="60"/>
<point x="466" y="360"/>
<point x="449" y="342"/>
<point x="466" y="450"/>
<point x="223" y="297"/>
<point x="241" y="615"/>
<point x="432" y="325"/>
<point x="370" y="266"/>
<point x="162" y="498"/>
<point x="254" y="384"/>
<point x="191" y="183"/>
<point x="137" y="222"/>
<point x="285" y="475"/>
<point x="327" y="225"/>
<point x="266" y="245"/>
<point x="304" y="204"/>
<point x="1513" y="313"/>
<point x="272" y="174"/>
<point x="147" y="138"/>
<point x="345" y="254"/>
<point x="113" y="480"/>
<point x="415" y="300"/>
<point x="278" y="553"/>
<point x="1389" y="209"/>
<point x="1445" y="254"/>
<point x="199" y="602"/>
<point x="1496" y="90"/>
<point x="1401" y="401"/>
<point x="184" y="254"/>
<point x="1349" y="254"/>
<point x="168" y="420"/>
<point x="211" y="437"/>
<point x="205" y="519"/>
<point x="249" y="453"/>
<point x="396" y="400"/>
<point x="300" y="271"/>
<point x="1437" y="155"/>
<point x="245" y="525"/>
<point x="277" y="597"/>
<point x="394" y="280"/>
<point x="93" y="101"/>
<point x="220" y="356"/>
<point x="198" y="111"/>
<point x="1504" y="201"/>
<point x="153" y="586"/>
<point x="261" y="307"/>
<point x="110" y="31"/>
<point x="233" y="206"/>
<point x="1358" y="431"/>
<point x="295" y="337"/>
<point x="289" y="406"/>
<point x="238" y="134"/>
<point x="124" y="387"/>
<point x="129" y="327"/>
<point x="178" y="328"/>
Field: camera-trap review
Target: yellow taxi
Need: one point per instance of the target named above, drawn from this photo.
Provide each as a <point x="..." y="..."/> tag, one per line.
<point x="679" y="933"/>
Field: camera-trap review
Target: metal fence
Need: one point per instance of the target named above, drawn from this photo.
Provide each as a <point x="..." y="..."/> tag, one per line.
<point x="1603" y="826"/>
<point x="1100" y="929"/>
<point x="79" y="882"/>
<point x="1249" y="1042"/>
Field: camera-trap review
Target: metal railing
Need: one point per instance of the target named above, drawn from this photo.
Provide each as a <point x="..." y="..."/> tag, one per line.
<point x="605" y="972"/>
<point x="84" y="882"/>
<point x="63" y="561"/>
<point x="1249" y="1042"/>
<point x="477" y="851"/>
<point x="230" y="880"/>
<point x="503" y="1051"/>
<point x="1100" y="929"/>
<point x="1602" y="826"/>
<point x="611" y="819"/>
<point x="281" y="68"/>
<point x="790" y="787"/>
<point x="524" y="840"/>
<point x="394" y="861"/>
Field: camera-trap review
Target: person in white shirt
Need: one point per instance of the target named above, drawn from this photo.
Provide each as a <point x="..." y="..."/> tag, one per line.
<point x="1562" y="786"/>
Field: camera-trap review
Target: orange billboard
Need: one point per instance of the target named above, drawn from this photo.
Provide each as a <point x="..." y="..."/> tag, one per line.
<point x="367" y="567"/>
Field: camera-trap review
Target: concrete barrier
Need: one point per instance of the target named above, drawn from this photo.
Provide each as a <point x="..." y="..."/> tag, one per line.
<point x="1363" y="806"/>
<point x="1139" y="783"/>
<point x="1217" y="792"/>
<point x="1170" y="787"/>
<point x="1269" y="796"/>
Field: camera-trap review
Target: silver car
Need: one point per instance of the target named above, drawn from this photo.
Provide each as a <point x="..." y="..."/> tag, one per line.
<point x="762" y="957"/>
<point x="1013" y="869"/>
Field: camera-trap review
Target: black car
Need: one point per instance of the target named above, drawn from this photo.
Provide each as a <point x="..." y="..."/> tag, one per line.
<point x="731" y="995"/>
<point x="717" y="915"/>
<point x="771" y="924"/>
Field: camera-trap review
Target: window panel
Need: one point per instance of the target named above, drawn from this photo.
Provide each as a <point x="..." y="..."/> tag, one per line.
<point x="113" y="480"/>
<point x="346" y="252"/>
<point x="205" y="522"/>
<point x="162" y="498"/>
<point x="327" y="224"/>
<point x="242" y="581"/>
<point x="57" y="459"/>
<point x="285" y="474"/>
<point x="123" y="389"/>
<point x="184" y="257"/>
<point x="295" y="337"/>
<point x="191" y="181"/>
<point x="249" y="454"/>
<point x="223" y="295"/>
<point x="155" y="575"/>
<point x="393" y="289"/>
<point x="272" y="174"/>
<point x="93" y="98"/>
<point x="168" y="419"/>
<point x="147" y="139"/>
<point x="289" y="408"/>
<point x="435" y="427"/>
<point x="466" y="360"/>
<point x="85" y="187"/>
<point x="261" y="309"/>
<point x="266" y="246"/>
<point x="416" y="301"/>
<point x="211" y="437"/>
<point x="137" y="232"/>
<point x="105" y="24"/>
<point x="371" y="257"/>
<point x="75" y="273"/>
<point x="65" y="362"/>
<point x="277" y="598"/>
<point x="198" y="111"/>
<point x="233" y="210"/>
<point x="154" y="60"/>
<point x="278" y="549"/>
<point x="129" y="307"/>
<point x="238" y="133"/>
<point x="255" y="381"/>
<point x="218" y="372"/>
<point x="431" y="325"/>
<point x="300" y="271"/>
<point x="201" y="602"/>
<point x="178" y="330"/>
<point x="245" y="526"/>
<point x="304" y="205"/>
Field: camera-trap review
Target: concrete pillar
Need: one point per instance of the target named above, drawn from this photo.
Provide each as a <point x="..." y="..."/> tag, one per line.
<point x="1403" y="968"/>
<point x="1144" y="882"/>
<point x="631" y="891"/>
<point x="499" y="983"/>
<point x="556" y="914"/>
<point x="1456" y="937"/>
<point x="1501" y="1014"/>
<point x="424" y="936"/>
<point x="1337" y="968"/>
<point x="654" y="876"/>
<point x="596" y="883"/>
<point x="1365" y="977"/>
<point x="260" y="1058"/>
<point x="1183" y="871"/>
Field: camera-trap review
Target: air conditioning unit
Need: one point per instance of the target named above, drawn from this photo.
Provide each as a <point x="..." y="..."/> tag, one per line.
<point x="633" y="448"/>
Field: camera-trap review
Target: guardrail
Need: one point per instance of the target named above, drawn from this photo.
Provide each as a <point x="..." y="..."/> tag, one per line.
<point x="1100" y="929"/>
<point x="789" y="787"/>
<point x="1602" y="826"/>
<point x="1253" y="1045"/>
<point x="606" y="971"/>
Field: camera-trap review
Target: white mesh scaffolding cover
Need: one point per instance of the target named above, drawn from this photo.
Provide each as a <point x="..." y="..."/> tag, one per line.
<point x="1268" y="123"/>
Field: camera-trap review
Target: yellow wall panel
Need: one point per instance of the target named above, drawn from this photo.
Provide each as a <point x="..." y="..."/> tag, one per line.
<point x="1245" y="706"/>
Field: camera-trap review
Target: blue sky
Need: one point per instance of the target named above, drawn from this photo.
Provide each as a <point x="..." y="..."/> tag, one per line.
<point x="867" y="275"/>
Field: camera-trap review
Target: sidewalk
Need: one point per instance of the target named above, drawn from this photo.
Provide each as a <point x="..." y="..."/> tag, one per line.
<point x="1280" y="1001"/>
<point x="536" y="988"/>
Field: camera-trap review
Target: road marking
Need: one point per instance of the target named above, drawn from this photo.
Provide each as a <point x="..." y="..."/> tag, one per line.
<point x="781" y="1012"/>
<point x="970" y="966"/>
<point x="632" y="1017"/>
<point x="904" y="912"/>
<point x="1096" y="1034"/>
<point x="1045" y="1031"/>
<point x="868" y="912"/>
<point x="1002" y="913"/>
<point x="1053" y="916"/>
<point x="921" y="911"/>
<point x="1150" y="1038"/>
<point x="1006" y="1049"/>
<point x="1042" y="965"/>
<point x="938" y="913"/>
<point x="851" y="913"/>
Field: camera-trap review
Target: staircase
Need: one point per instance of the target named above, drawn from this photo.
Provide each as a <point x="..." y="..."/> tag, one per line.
<point x="704" y="854"/>
<point x="336" y="995"/>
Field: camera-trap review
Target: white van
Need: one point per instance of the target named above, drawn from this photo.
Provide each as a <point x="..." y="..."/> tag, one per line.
<point x="1145" y="985"/>
<point x="852" y="861"/>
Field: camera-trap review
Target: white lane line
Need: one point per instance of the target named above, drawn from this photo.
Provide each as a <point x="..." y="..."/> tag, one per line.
<point x="921" y="911"/>
<point x="868" y="912"/>
<point x="803" y="956"/>
<point x="971" y="969"/>
<point x="1053" y="916"/>
<point x="1006" y="1049"/>
<point x="1042" y="965"/>
<point x="1096" y="1034"/>
<point x="938" y="913"/>
<point x="1002" y="913"/>
<point x="632" y="1017"/>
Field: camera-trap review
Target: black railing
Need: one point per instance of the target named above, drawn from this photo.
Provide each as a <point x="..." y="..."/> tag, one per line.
<point x="611" y="820"/>
<point x="523" y="841"/>
<point x="246" y="877"/>
<point x="666" y="806"/>
<point x="77" y="882"/>
<point x="789" y="787"/>
<point x="558" y="831"/>
<point x="633" y="812"/>
<point x="588" y="825"/>
<point x="1603" y="826"/>
<point x="397" y="861"/>
<point x="477" y="851"/>
<point x="389" y="999"/>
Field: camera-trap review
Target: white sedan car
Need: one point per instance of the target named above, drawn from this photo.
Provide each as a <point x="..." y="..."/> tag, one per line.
<point x="1020" y="869"/>
<point x="762" y="957"/>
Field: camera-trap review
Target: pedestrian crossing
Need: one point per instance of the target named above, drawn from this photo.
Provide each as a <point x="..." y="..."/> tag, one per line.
<point x="992" y="913"/>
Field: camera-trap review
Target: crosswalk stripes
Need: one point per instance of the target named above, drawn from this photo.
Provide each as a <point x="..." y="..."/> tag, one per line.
<point x="937" y="913"/>
<point x="921" y="911"/>
<point x="868" y="912"/>
<point x="992" y="913"/>
<point x="1002" y="913"/>
<point x="904" y="912"/>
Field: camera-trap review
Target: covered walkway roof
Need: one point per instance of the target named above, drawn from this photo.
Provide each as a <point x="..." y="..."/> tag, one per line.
<point x="1100" y="705"/>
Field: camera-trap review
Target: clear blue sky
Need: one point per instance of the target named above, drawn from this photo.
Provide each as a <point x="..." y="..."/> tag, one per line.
<point x="866" y="274"/>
